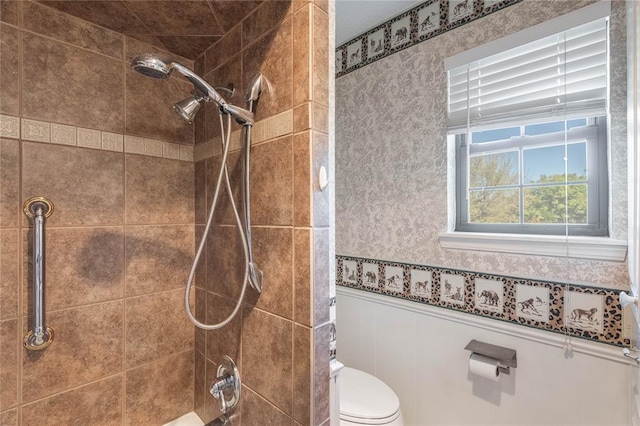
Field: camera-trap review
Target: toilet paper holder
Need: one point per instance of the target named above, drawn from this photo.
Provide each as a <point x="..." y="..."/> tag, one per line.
<point x="506" y="357"/>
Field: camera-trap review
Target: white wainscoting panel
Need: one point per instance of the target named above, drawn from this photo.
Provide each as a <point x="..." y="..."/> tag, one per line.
<point x="421" y="356"/>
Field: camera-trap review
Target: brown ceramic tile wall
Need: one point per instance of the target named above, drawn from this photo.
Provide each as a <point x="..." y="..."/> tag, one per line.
<point x="88" y="78"/>
<point x="258" y="411"/>
<point x="148" y="404"/>
<point x="78" y="405"/>
<point x="120" y="241"/>
<point x="281" y="340"/>
<point x="9" y="183"/>
<point x="10" y="68"/>
<point x="123" y="231"/>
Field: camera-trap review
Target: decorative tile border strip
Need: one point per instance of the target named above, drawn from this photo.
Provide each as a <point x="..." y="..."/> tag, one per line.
<point x="423" y="22"/>
<point x="590" y="313"/>
<point x="264" y="130"/>
<point x="61" y="134"/>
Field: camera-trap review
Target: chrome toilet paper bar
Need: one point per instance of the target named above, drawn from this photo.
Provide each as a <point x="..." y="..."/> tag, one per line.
<point x="506" y="357"/>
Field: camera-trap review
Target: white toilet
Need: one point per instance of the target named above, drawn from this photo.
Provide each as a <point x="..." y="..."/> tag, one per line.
<point x="367" y="400"/>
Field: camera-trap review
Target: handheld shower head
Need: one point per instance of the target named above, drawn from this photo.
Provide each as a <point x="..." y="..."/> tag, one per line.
<point x="151" y="66"/>
<point x="156" y="67"/>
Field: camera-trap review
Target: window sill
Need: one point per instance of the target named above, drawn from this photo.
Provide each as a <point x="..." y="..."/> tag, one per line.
<point x="597" y="248"/>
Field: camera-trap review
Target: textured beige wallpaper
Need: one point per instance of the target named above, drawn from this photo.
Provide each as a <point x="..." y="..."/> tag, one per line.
<point x="391" y="154"/>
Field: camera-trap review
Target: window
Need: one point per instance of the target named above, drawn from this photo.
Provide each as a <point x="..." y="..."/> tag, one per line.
<point x="529" y="124"/>
<point x="513" y="179"/>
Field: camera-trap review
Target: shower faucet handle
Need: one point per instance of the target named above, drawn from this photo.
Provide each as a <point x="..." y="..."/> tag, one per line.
<point x="228" y="379"/>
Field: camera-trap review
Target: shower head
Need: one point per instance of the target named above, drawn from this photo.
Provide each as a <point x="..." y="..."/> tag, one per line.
<point x="151" y="66"/>
<point x="188" y="108"/>
<point x="156" y="67"/>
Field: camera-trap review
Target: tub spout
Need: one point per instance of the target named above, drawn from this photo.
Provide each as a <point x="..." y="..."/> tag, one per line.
<point x="223" y="420"/>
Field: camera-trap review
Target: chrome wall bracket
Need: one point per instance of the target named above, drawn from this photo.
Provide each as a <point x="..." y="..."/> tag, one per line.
<point x="40" y="336"/>
<point x="226" y="387"/>
<point x="38" y="341"/>
<point x="506" y="357"/>
<point x="627" y="353"/>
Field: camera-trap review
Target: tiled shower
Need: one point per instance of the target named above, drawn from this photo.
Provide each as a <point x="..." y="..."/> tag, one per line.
<point x="132" y="186"/>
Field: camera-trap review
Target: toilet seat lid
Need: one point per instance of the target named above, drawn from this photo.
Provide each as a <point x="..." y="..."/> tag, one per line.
<point x="365" y="397"/>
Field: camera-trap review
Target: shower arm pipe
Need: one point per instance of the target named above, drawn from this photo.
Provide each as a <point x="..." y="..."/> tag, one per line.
<point x="242" y="115"/>
<point x="40" y="336"/>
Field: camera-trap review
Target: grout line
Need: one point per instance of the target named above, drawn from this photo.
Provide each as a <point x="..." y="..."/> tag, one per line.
<point x="224" y="225"/>
<point x="292" y="29"/>
<point x="292" y="344"/>
<point x="73" y="227"/>
<point x="268" y="401"/>
<point x="311" y="187"/>
<point x="123" y="401"/>
<point x="138" y="296"/>
<point x="255" y="307"/>
<point x="123" y="36"/>
<point x="292" y="182"/>
<point x="130" y="225"/>
<point x="21" y="278"/>
<point x="21" y="51"/>
<point x="246" y="305"/>
<point x="110" y="376"/>
<point x="66" y="43"/>
<point x="278" y="24"/>
<point x="312" y="378"/>
<point x="119" y="373"/>
<point x="311" y="62"/>
<point x="124" y="90"/>
<point x="123" y="397"/>
<point x="124" y="298"/>
<point x="163" y="358"/>
<point x="215" y="17"/>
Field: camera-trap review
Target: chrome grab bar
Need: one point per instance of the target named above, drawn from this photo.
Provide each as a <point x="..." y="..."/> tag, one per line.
<point x="40" y="336"/>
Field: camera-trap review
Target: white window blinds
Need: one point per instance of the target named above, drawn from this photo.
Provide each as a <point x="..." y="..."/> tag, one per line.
<point x="561" y="76"/>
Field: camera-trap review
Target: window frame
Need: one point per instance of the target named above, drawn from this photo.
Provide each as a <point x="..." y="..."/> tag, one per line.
<point x="595" y="135"/>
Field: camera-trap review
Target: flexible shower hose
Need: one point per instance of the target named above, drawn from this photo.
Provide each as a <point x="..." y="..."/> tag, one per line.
<point x="223" y="174"/>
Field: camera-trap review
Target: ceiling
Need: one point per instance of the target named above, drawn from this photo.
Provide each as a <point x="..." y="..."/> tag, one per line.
<point x="189" y="27"/>
<point x="186" y="28"/>
<point x="354" y="17"/>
